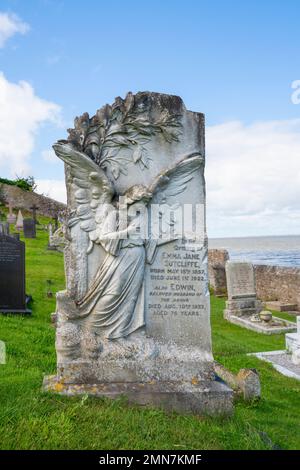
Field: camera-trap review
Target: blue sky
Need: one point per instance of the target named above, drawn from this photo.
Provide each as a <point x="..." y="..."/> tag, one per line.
<point x="234" y="61"/>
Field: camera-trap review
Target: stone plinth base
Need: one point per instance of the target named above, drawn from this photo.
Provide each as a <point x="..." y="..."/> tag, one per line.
<point x="262" y="327"/>
<point x="212" y="398"/>
<point x="242" y="306"/>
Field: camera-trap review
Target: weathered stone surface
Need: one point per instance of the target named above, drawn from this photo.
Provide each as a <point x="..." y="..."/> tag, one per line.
<point x="242" y="300"/>
<point x="243" y="307"/>
<point x="136" y="305"/>
<point x="292" y="340"/>
<point x="216" y="270"/>
<point x="281" y="306"/>
<point x="296" y="357"/>
<point x="57" y="240"/>
<point x="281" y="361"/>
<point x="277" y="283"/>
<point x="249" y="383"/>
<point x="245" y="383"/>
<point x="205" y="398"/>
<point x="240" y="280"/>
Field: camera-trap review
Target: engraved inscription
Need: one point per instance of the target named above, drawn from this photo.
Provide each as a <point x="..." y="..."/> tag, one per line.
<point x="240" y="279"/>
<point x="177" y="281"/>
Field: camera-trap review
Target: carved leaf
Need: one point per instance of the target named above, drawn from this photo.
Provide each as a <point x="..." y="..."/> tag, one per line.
<point x="115" y="169"/>
<point x="137" y="154"/>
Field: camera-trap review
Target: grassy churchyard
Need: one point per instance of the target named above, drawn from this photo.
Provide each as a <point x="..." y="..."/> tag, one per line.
<point x="32" y="419"/>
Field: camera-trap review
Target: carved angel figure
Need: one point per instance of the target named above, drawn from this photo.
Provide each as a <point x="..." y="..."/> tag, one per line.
<point x="113" y="306"/>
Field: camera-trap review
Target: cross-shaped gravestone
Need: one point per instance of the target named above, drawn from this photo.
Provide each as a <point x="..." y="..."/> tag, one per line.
<point x="11" y="217"/>
<point x="34" y="208"/>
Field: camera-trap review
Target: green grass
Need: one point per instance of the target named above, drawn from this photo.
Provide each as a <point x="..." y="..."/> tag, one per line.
<point x="32" y="419"/>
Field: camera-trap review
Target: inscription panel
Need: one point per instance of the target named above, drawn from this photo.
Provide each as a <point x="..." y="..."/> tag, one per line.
<point x="177" y="294"/>
<point x="240" y="279"/>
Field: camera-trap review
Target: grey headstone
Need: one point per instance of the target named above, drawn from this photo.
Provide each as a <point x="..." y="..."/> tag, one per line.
<point x="242" y="300"/>
<point x="29" y="228"/>
<point x="12" y="275"/>
<point x="138" y="305"/>
<point x="240" y="279"/>
<point x="4" y="228"/>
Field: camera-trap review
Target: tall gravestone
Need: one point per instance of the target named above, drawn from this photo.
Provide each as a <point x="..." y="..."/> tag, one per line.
<point x="135" y="316"/>
<point x="12" y="276"/>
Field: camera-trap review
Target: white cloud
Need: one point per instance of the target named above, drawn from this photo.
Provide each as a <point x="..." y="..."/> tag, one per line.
<point x="49" y="156"/>
<point x="21" y="114"/>
<point x="253" y="178"/>
<point x="55" y="189"/>
<point x="10" y="25"/>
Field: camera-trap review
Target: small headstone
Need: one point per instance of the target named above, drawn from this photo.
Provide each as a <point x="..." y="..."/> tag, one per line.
<point x="19" y="223"/>
<point x="12" y="275"/>
<point x="242" y="300"/>
<point x="29" y="227"/>
<point x="4" y="228"/>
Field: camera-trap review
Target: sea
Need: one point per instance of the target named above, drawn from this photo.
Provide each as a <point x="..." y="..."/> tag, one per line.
<point x="275" y="250"/>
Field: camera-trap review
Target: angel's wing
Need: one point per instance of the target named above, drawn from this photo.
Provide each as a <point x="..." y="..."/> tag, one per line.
<point x="174" y="180"/>
<point x="92" y="185"/>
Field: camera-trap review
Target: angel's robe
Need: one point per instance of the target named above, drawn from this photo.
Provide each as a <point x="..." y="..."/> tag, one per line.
<point x="114" y="303"/>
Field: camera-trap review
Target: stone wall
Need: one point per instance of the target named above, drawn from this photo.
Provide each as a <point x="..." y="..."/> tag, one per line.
<point x="272" y="282"/>
<point x="25" y="199"/>
<point x="278" y="283"/>
<point x="216" y="270"/>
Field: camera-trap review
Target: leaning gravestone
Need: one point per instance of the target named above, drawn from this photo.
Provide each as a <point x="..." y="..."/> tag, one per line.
<point x="12" y="275"/>
<point x="134" y="318"/>
<point x="29" y="228"/>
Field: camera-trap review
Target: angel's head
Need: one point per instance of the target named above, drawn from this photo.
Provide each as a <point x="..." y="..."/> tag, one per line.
<point x="138" y="193"/>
